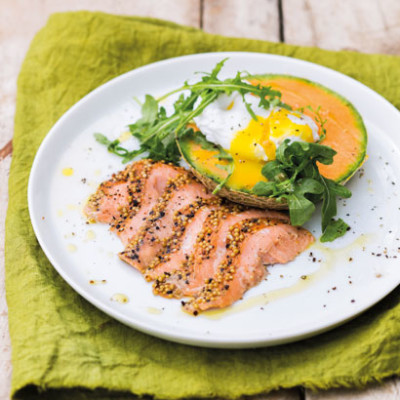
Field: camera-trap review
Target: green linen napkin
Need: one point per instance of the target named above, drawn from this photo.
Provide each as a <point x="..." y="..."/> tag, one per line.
<point x="63" y="347"/>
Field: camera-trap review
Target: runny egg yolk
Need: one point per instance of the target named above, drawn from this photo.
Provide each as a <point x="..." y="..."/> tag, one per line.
<point x="257" y="143"/>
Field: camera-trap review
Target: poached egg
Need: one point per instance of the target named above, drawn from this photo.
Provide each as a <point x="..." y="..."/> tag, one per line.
<point x="227" y="122"/>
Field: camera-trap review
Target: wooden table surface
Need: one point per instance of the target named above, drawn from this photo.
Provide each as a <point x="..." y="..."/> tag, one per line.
<point x="371" y="26"/>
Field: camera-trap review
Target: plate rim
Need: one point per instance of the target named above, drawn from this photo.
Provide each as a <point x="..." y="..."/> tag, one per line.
<point x="169" y="334"/>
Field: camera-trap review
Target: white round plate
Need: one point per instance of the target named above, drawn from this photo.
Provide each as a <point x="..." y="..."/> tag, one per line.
<point x="325" y="286"/>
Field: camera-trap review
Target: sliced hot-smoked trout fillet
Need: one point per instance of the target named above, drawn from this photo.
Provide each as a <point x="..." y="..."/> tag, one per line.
<point x="178" y="248"/>
<point x="190" y="242"/>
<point x="209" y="252"/>
<point x="117" y="193"/>
<point x="251" y="246"/>
<point x="159" y="226"/>
<point x="152" y="187"/>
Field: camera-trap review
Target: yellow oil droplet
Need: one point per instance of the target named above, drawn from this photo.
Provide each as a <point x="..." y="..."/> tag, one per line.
<point x="90" y="235"/>
<point x="339" y="254"/>
<point x="120" y="298"/>
<point x="110" y="254"/>
<point x="230" y="106"/>
<point x="60" y="213"/>
<point x="370" y="186"/>
<point x="97" y="281"/>
<point x="97" y="172"/>
<point x="72" y="207"/>
<point x="71" y="248"/>
<point x="154" y="310"/>
<point x="125" y="136"/>
<point x="68" y="171"/>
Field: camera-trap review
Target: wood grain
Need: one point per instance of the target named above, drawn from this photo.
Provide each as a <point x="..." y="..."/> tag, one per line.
<point x="5" y="346"/>
<point x="390" y="390"/>
<point x="6" y="150"/>
<point x="370" y="26"/>
<point x="253" y="19"/>
<point x="284" y="394"/>
<point x="17" y="28"/>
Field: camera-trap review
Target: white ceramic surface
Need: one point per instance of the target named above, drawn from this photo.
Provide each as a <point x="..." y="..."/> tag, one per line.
<point x="344" y="278"/>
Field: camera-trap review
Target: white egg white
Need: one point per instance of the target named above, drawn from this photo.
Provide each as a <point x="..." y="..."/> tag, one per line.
<point x="303" y="119"/>
<point x="222" y="119"/>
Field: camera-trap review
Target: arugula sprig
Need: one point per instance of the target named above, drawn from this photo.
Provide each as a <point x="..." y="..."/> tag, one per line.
<point x="294" y="177"/>
<point x="157" y="132"/>
<point x="318" y="119"/>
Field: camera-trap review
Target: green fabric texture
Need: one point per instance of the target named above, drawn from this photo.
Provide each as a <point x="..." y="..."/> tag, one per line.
<point x="63" y="347"/>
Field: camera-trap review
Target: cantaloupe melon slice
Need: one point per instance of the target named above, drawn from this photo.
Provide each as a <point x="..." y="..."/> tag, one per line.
<point x="345" y="130"/>
<point x="345" y="133"/>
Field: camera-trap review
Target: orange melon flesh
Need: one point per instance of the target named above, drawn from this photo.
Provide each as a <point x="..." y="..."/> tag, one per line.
<point x="204" y="159"/>
<point x="345" y="130"/>
<point x="208" y="162"/>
